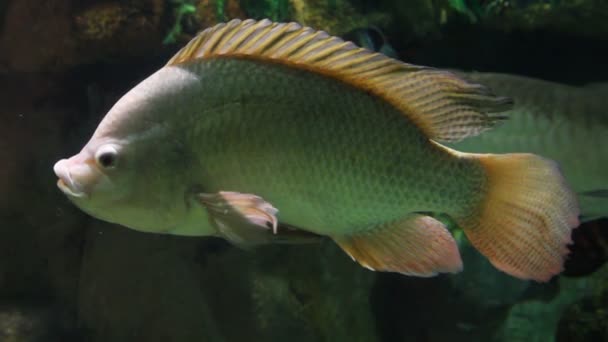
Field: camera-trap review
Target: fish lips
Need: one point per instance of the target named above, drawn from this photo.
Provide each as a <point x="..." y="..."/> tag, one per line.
<point x="66" y="182"/>
<point x="69" y="190"/>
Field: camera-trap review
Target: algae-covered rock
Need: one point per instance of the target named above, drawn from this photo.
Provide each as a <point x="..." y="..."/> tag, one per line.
<point x="276" y="10"/>
<point x="192" y="16"/>
<point x="336" y="17"/>
<point x="484" y="285"/>
<point x="569" y="17"/>
<point x="538" y="320"/>
<point x="142" y="287"/>
<point x="313" y="293"/>
<point x="415" y="19"/>
<point x="145" y="287"/>
<point x="564" y="16"/>
<point x="430" y="309"/>
<point x="60" y="34"/>
<point x="471" y="305"/>
<point x="118" y="29"/>
<point x="585" y="320"/>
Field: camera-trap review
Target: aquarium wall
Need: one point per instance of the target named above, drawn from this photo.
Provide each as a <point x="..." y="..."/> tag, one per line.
<point x="66" y="276"/>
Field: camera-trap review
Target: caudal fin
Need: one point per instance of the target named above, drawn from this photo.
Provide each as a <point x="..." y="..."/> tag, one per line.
<point x="525" y="220"/>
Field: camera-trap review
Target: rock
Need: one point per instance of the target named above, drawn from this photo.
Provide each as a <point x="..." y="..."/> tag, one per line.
<point x="538" y="320"/>
<point x="585" y="320"/>
<point x="415" y="20"/>
<point x="36" y="37"/>
<point x="484" y="286"/>
<point x="563" y="17"/>
<point x="313" y="293"/>
<point x="471" y="305"/>
<point x="145" y="287"/>
<point x="433" y="309"/>
<point x="119" y="30"/>
<point x="209" y="12"/>
<point x="63" y="33"/>
<point x="335" y="17"/>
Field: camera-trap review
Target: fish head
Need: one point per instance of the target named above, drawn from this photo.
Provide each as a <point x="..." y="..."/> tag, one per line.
<point x="134" y="170"/>
<point x="116" y="182"/>
<point x="120" y="180"/>
<point x="94" y="178"/>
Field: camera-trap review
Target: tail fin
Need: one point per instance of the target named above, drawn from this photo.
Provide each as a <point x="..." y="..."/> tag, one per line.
<point x="525" y="220"/>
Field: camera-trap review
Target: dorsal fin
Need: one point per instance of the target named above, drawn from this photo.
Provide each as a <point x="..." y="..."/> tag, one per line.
<point x="444" y="106"/>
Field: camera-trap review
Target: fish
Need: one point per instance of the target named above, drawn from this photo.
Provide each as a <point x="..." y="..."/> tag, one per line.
<point x="567" y="124"/>
<point x="589" y="249"/>
<point x="570" y="113"/>
<point x="257" y="125"/>
<point x="371" y="38"/>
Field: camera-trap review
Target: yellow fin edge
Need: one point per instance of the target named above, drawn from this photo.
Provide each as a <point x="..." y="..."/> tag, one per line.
<point x="444" y="106"/>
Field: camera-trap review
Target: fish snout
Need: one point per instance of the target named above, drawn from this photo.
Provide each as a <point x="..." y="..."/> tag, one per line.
<point x="68" y="181"/>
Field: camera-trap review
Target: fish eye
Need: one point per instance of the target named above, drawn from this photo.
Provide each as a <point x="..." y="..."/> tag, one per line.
<point x="106" y="157"/>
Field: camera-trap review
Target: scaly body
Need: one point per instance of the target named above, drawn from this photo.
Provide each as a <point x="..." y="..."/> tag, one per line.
<point x="259" y="131"/>
<point x="565" y="123"/>
<point x="327" y="164"/>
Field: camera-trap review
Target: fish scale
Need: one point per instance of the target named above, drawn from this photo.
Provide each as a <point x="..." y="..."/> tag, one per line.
<point x="564" y="123"/>
<point x="377" y="159"/>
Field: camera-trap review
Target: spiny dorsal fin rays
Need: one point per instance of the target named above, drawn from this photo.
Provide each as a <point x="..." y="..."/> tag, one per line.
<point x="444" y="106"/>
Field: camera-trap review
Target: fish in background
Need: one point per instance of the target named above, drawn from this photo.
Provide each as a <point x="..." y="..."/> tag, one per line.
<point x="254" y="125"/>
<point x="589" y="251"/>
<point x="564" y="123"/>
<point x="371" y="38"/>
<point x="546" y="116"/>
<point x="569" y="125"/>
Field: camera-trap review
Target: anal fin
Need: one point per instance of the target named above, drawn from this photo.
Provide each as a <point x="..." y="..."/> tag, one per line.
<point x="416" y="245"/>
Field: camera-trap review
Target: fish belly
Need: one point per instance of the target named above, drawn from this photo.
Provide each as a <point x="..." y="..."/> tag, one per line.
<point x="330" y="157"/>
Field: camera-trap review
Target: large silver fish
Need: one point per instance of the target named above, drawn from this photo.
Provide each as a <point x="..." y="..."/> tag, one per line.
<point x="256" y="125"/>
<point x="564" y="123"/>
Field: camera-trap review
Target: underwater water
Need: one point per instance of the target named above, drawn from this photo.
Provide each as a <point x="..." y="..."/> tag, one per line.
<point x="67" y="276"/>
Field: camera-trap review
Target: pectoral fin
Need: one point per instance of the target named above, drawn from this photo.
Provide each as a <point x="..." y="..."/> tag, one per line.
<point x="247" y="220"/>
<point x="416" y="245"/>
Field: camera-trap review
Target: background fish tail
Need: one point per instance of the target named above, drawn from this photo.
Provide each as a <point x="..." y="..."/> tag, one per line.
<point x="524" y="221"/>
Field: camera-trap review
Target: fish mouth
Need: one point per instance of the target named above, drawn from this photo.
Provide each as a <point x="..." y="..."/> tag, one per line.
<point x="66" y="183"/>
<point x="68" y="190"/>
